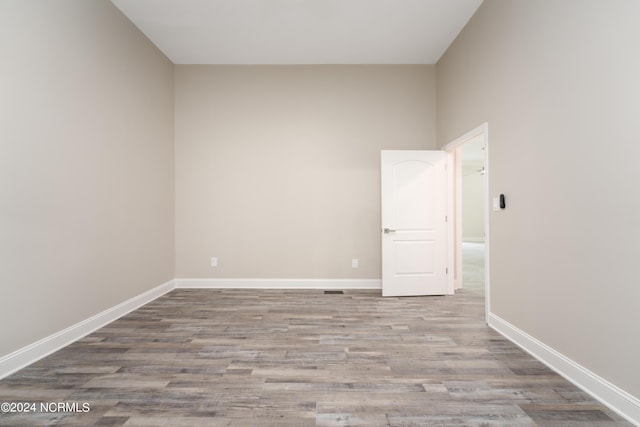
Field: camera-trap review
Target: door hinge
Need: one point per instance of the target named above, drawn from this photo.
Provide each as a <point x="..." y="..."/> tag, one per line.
<point x="446" y="270"/>
<point x="446" y="219"/>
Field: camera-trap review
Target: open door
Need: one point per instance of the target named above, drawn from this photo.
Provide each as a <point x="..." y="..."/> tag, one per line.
<point x="414" y="227"/>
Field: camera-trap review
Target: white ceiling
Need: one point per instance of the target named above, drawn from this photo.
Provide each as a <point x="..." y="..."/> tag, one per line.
<point x="300" y="31"/>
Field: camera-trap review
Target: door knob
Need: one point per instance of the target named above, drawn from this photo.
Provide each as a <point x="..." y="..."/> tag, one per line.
<point x="388" y="230"/>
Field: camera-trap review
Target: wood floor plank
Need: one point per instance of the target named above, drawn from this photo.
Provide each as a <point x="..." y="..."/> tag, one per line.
<point x="198" y="357"/>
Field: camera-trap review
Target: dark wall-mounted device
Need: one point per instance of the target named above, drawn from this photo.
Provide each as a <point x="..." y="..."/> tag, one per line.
<point x="502" y="202"/>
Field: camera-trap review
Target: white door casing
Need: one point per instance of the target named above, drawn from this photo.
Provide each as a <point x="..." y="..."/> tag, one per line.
<point x="414" y="227"/>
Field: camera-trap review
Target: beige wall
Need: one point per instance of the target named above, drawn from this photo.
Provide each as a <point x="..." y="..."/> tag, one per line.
<point x="86" y="195"/>
<point x="472" y="202"/>
<point x="277" y="167"/>
<point x="557" y="81"/>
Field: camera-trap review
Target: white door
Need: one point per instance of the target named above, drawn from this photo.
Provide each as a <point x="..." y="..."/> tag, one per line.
<point x="414" y="228"/>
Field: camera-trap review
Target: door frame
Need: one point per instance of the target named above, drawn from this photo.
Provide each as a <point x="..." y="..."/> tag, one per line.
<point x="454" y="184"/>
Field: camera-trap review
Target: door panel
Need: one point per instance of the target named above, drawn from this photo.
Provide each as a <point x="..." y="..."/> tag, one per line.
<point x="414" y="239"/>
<point x="414" y="257"/>
<point x="411" y="178"/>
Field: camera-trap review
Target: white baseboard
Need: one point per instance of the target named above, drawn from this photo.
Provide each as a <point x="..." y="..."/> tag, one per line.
<point x="473" y="239"/>
<point x="279" y="283"/>
<point x="25" y="356"/>
<point x="612" y="396"/>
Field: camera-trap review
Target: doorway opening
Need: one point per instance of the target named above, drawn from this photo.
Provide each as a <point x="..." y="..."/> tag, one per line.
<point x="472" y="212"/>
<point x="469" y="230"/>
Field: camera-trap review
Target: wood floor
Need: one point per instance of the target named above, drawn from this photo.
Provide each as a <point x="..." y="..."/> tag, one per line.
<point x="473" y="254"/>
<point x="300" y="358"/>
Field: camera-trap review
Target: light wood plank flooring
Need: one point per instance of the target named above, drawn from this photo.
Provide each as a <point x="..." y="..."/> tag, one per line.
<point x="300" y="358"/>
<point x="473" y="266"/>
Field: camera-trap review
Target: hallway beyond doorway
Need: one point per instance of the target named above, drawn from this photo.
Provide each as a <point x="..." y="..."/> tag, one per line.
<point x="473" y="266"/>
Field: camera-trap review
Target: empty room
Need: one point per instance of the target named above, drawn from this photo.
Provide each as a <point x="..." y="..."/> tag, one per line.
<point x="256" y="213"/>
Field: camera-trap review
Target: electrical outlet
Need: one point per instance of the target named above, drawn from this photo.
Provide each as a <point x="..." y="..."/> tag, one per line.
<point x="214" y="262"/>
<point x="355" y="263"/>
